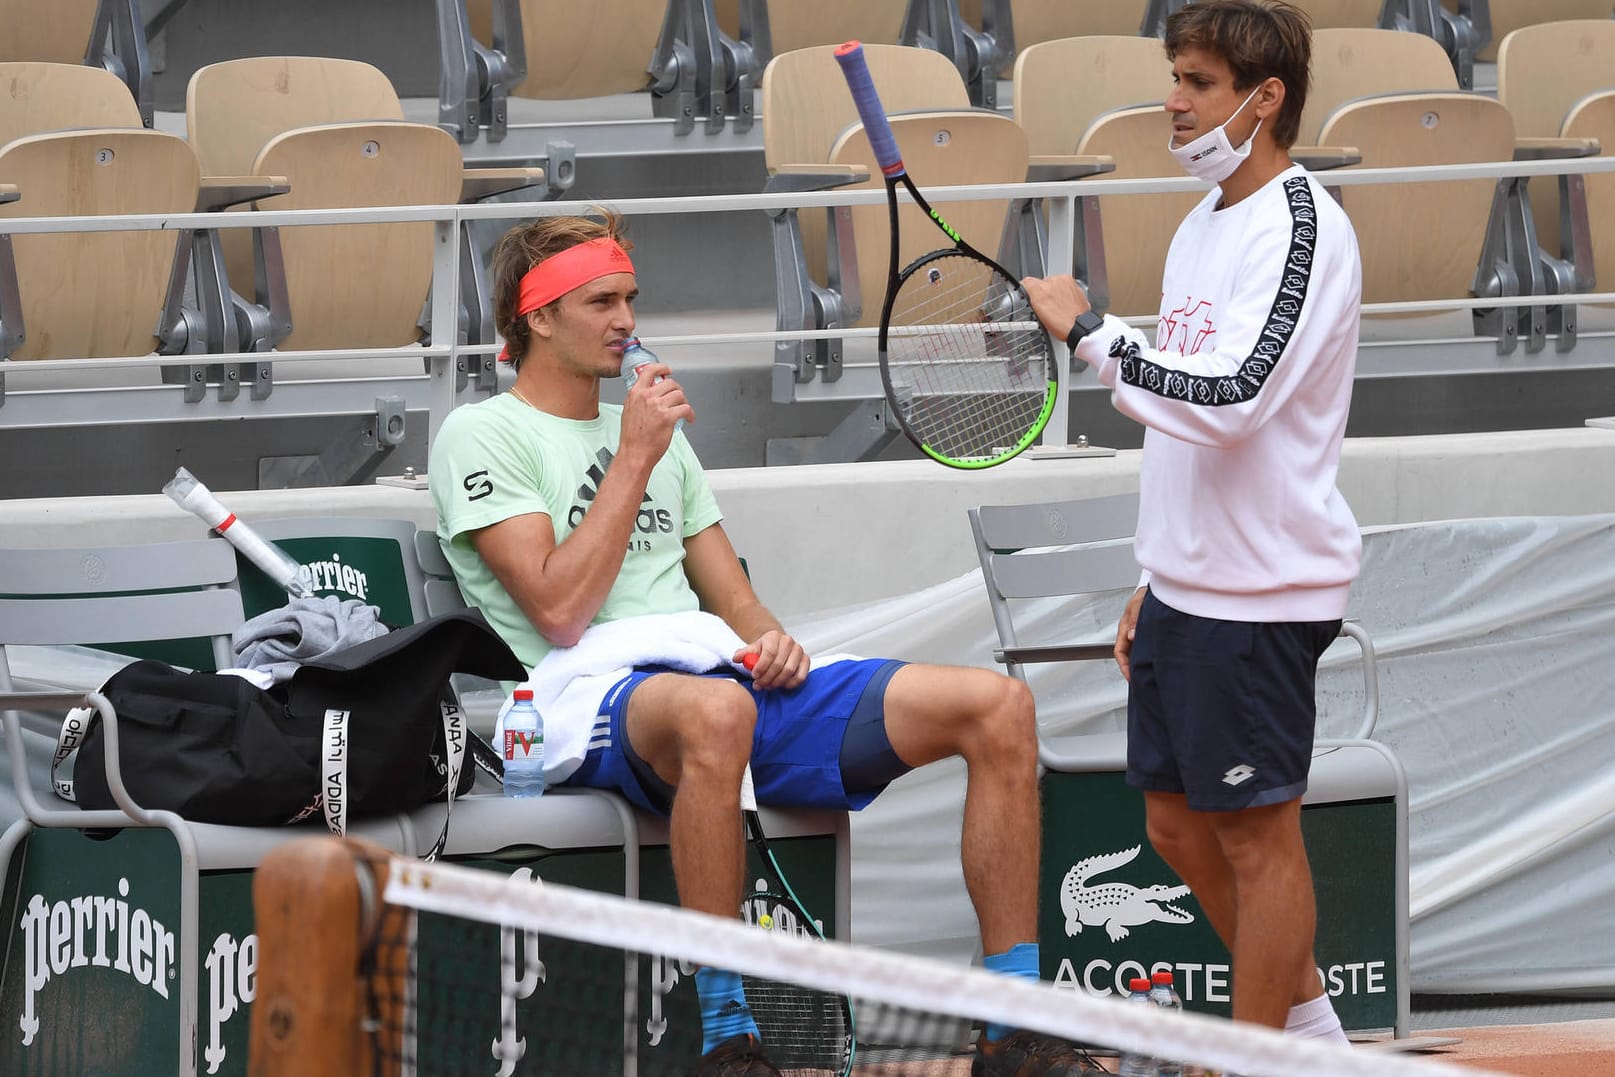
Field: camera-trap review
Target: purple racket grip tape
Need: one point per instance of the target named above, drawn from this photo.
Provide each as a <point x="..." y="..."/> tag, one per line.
<point x="851" y="58"/>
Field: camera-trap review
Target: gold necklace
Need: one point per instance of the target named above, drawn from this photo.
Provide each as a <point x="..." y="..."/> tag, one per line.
<point x="517" y="394"/>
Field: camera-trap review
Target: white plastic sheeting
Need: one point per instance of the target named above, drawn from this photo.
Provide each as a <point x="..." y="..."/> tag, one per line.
<point x="1496" y="643"/>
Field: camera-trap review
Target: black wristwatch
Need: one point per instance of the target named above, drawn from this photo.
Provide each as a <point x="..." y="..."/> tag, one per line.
<point x="1087" y="322"/>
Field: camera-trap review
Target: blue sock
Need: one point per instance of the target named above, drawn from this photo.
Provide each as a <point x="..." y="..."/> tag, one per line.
<point x="1019" y="960"/>
<point x="724" y="1012"/>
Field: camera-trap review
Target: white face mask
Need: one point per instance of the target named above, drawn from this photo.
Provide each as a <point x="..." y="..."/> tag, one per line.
<point x="1210" y="157"/>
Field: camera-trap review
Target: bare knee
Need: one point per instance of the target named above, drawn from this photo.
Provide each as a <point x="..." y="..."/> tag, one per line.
<point x="1182" y="837"/>
<point x="1175" y="841"/>
<point x="715" y="738"/>
<point x="1260" y="841"/>
<point x="1004" y="726"/>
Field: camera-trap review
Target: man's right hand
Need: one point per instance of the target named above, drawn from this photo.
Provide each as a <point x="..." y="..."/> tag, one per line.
<point x="1057" y="301"/>
<point x="652" y="409"/>
<point x="1126" y="630"/>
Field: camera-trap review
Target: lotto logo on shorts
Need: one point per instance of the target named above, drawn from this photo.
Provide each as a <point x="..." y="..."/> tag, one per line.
<point x="1239" y="774"/>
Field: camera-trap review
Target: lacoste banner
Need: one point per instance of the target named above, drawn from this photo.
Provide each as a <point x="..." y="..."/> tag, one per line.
<point x="1110" y="909"/>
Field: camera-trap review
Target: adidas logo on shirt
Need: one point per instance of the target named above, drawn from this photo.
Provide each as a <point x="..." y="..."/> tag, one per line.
<point x="650" y="521"/>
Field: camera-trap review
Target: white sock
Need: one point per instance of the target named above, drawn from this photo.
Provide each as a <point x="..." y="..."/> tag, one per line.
<point x="1316" y="1020"/>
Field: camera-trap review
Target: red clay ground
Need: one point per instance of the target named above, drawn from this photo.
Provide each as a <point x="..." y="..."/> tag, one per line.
<point x="1551" y="1050"/>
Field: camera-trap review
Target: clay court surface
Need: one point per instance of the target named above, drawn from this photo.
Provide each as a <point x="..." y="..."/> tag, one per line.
<point x="1547" y="1050"/>
<point x="1554" y="1049"/>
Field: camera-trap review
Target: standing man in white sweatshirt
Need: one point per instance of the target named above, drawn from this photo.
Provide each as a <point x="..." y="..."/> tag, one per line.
<point x="1247" y="547"/>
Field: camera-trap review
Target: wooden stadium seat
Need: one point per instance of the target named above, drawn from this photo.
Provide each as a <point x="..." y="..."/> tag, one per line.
<point x="794" y="25"/>
<point x="58" y="32"/>
<point x="945" y="147"/>
<point x="1543" y="72"/>
<point x="1510" y="15"/>
<point x="362" y="282"/>
<point x="46" y="96"/>
<point x="1594" y="117"/>
<point x="1421" y="240"/>
<point x="1329" y="14"/>
<point x="806" y="105"/>
<point x="96" y="294"/>
<point x="1352" y="63"/>
<point x="1063" y="86"/>
<point x="578" y="50"/>
<point x="334" y="129"/>
<point x="1036" y="21"/>
<point x="1138" y="229"/>
<point x="806" y="108"/>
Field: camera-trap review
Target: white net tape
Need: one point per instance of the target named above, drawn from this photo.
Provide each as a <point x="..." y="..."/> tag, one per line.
<point x="863" y="972"/>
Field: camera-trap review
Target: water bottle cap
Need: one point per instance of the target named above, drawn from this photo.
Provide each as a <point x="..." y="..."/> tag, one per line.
<point x="522" y="693"/>
<point x="1138" y="983"/>
<point x="1162" y="976"/>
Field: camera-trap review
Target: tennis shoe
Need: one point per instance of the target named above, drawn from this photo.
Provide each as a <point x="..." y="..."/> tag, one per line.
<point x="737" y="1056"/>
<point x="1027" y="1054"/>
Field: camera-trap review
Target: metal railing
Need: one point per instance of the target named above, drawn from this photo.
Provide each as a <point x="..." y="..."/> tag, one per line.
<point x="445" y="355"/>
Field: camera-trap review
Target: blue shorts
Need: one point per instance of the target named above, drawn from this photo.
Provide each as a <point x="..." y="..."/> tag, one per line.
<point x="1222" y="711"/>
<point x="821" y="744"/>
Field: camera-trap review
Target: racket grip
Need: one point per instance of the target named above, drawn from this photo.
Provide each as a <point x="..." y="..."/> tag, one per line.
<point x="856" y="70"/>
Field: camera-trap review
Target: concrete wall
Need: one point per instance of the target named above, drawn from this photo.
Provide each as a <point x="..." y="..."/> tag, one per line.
<point x="821" y="537"/>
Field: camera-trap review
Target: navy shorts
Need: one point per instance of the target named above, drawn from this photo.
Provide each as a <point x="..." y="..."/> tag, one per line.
<point x="821" y="744"/>
<point x="1222" y="711"/>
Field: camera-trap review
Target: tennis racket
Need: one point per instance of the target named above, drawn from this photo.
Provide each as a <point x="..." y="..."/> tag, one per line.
<point x="967" y="369"/>
<point x="807" y="1033"/>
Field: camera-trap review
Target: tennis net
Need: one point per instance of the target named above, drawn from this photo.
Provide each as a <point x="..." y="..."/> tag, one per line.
<point x="373" y="965"/>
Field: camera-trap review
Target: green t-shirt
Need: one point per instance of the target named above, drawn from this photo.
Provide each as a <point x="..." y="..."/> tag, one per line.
<point x="499" y="458"/>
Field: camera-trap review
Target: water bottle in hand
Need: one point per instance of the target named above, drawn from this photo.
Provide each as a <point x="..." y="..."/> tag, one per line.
<point x="1134" y="1063"/>
<point x="524" y="747"/>
<point x="1166" y="996"/>
<point x="634" y="356"/>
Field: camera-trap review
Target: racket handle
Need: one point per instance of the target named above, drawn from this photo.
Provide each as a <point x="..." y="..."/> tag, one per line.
<point x="856" y="70"/>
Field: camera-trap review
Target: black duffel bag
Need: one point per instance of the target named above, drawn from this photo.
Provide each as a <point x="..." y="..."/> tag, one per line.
<point x="366" y="730"/>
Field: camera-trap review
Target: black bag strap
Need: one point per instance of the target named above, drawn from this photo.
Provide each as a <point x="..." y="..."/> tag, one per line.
<point x="334" y="768"/>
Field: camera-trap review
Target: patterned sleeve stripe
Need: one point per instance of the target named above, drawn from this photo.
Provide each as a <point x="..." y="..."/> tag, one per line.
<point x="1270" y="343"/>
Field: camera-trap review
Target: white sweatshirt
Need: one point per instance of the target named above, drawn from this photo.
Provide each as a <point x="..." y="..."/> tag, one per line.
<point x="1245" y="396"/>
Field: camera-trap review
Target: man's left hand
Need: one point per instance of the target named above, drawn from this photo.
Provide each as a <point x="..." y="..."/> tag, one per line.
<point x="781" y="662"/>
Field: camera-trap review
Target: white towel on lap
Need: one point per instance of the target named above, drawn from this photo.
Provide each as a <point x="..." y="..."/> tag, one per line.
<point x="570" y="682"/>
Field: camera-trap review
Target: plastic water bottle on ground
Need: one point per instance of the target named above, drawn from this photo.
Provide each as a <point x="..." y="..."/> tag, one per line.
<point x="1133" y="1063"/>
<point x="524" y="747"/>
<point x="634" y="356"/>
<point x="1165" y="995"/>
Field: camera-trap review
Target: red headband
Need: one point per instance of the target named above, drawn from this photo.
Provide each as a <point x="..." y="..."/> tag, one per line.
<point x="574" y="267"/>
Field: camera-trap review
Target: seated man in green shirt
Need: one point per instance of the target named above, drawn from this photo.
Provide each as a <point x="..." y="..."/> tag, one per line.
<point x="591" y="528"/>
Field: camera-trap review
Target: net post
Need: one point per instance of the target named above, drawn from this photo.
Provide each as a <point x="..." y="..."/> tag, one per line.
<point x="319" y="913"/>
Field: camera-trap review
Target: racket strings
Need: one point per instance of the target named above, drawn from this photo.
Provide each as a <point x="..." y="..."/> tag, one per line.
<point x="803" y="1031"/>
<point x="969" y="363"/>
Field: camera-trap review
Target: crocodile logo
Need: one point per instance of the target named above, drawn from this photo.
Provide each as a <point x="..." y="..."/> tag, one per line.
<point x="1116" y="906"/>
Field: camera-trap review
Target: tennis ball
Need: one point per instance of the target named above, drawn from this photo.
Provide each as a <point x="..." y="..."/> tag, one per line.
<point x="765" y="920"/>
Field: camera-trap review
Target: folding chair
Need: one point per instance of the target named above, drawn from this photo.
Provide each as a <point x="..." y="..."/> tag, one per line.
<point x="1066" y="554"/>
<point x="187" y="985"/>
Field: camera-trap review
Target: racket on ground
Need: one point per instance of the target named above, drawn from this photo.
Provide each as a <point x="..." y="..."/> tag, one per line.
<point x="967" y="369"/>
<point x="805" y="1032"/>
